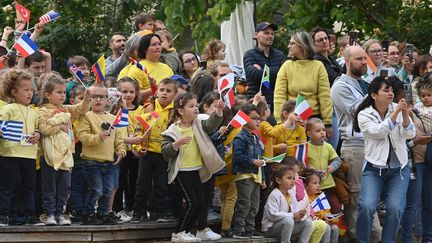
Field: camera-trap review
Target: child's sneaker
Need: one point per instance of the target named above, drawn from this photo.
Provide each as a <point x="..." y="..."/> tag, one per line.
<point x="183" y="237"/>
<point x="17" y="220"/>
<point x="241" y="235"/>
<point x="226" y="233"/>
<point x="109" y="218"/>
<point x="64" y="220"/>
<point x="90" y="220"/>
<point x="207" y="234"/>
<point x="123" y="217"/>
<point x="50" y="220"/>
<point x="4" y="221"/>
<point x="255" y="235"/>
<point x="34" y="220"/>
<point x="136" y="219"/>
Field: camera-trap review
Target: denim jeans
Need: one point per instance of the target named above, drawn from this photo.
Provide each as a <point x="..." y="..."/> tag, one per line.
<point x="79" y="188"/>
<point x="334" y="139"/>
<point x="101" y="178"/>
<point x="427" y="206"/>
<point x="394" y="184"/>
<point x="411" y="216"/>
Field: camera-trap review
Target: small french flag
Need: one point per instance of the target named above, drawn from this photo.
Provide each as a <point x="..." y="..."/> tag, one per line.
<point x="121" y="119"/>
<point x="25" y="46"/>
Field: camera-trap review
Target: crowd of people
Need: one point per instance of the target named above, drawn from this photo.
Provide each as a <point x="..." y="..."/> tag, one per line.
<point x="166" y="149"/>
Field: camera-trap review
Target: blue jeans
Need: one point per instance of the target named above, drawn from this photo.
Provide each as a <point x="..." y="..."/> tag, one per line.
<point x="79" y="188"/>
<point x="427" y="205"/>
<point x="101" y="178"/>
<point x="412" y="213"/>
<point x="375" y="181"/>
<point x="334" y="139"/>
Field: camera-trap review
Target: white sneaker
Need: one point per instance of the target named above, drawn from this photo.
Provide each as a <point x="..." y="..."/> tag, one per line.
<point x="196" y="239"/>
<point x="123" y="217"/>
<point x="183" y="237"/>
<point x="64" y="220"/>
<point x="50" y="220"/>
<point x="208" y="234"/>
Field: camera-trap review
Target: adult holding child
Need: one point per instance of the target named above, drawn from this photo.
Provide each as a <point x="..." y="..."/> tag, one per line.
<point x="304" y="76"/>
<point x="385" y="126"/>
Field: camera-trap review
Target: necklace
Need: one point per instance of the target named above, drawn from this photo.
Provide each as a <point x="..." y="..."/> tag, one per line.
<point x="25" y="118"/>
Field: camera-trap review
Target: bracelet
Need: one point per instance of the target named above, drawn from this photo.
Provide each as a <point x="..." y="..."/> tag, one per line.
<point x="3" y="39"/>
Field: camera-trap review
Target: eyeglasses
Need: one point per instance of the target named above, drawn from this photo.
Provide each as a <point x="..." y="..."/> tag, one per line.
<point x="192" y="59"/>
<point x="322" y="39"/>
<point x="99" y="97"/>
<point x="376" y="51"/>
<point x="256" y="119"/>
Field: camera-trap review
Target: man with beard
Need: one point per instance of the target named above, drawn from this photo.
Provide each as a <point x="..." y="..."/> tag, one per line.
<point x="262" y="54"/>
<point x="347" y="92"/>
<point x="117" y="45"/>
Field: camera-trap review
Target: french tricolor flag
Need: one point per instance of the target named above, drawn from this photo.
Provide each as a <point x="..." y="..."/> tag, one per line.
<point x="25" y="46"/>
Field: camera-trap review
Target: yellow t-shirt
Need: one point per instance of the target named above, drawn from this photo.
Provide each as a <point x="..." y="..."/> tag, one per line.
<point x="13" y="113"/>
<point x="269" y="133"/>
<point x="290" y="137"/>
<point x="319" y="157"/>
<point x="157" y="70"/>
<point x="256" y="177"/>
<point x="190" y="156"/>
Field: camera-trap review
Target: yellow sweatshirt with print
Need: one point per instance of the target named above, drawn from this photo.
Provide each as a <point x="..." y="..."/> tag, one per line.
<point x="29" y="118"/>
<point x="93" y="148"/>
<point x="156" y="70"/>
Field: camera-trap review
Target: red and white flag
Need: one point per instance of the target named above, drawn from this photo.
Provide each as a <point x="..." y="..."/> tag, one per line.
<point x="240" y="119"/>
<point x="229" y="98"/>
<point x="23" y="12"/>
<point x="226" y="82"/>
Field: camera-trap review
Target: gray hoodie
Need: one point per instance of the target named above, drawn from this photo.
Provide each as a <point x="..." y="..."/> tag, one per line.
<point x="346" y="95"/>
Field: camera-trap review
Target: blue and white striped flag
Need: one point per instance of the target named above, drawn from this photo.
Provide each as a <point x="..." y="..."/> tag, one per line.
<point x="12" y="130"/>
<point x="121" y="119"/>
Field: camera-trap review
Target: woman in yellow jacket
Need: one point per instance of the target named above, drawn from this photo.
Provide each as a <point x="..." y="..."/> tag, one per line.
<point x="304" y="76"/>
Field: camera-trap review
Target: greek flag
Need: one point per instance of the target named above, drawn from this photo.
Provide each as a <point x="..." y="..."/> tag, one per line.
<point x="12" y="130"/>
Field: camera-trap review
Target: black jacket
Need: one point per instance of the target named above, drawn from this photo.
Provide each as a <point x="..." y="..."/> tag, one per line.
<point x="331" y="65"/>
<point x="253" y="75"/>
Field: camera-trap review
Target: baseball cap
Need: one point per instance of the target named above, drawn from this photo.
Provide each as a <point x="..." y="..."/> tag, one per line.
<point x="264" y="25"/>
<point x="179" y="79"/>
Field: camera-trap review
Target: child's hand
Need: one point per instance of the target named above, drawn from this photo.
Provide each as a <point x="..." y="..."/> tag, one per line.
<point x="293" y="119"/>
<point x="87" y="95"/>
<point x="283" y="147"/>
<point x="220" y="107"/>
<point x="223" y="130"/>
<point x="258" y="162"/>
<point x="119" y="158"/>
<point x="329" y="170"/>
<point x="136" y="140"/>
<point x="38" y="28"/>
<point x="299" y="214"/>
<point x="3" y="59"/>
<point x="257" y="98"/>
<point x="34" y="138"/>
<point x="104" y="135"/>
<point x="181" y="141"/>
<point x="263" y="185"/>
<point x="64" y="127"/>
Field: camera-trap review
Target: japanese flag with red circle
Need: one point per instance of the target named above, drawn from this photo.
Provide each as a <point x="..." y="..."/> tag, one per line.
<point x="240" y="119"/>
<point x="226" y="82"/>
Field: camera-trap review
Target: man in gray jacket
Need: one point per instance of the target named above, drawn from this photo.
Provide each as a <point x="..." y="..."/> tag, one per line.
<point x="347" y="93"/>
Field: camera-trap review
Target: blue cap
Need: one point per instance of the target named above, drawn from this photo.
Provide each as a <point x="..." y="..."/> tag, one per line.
<point x="264" y="25"/>
<point x="179" y="79"/>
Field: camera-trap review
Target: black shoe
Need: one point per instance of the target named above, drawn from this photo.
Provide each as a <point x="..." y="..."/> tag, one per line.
<point x="91" y="220"/>
<point x="255" y="235"/>
<point x="33" y="220"/>
<point x="241" y="235"/>
<point x="136" y="219"/>
<point x="109" y="218"/>
<point x="4" y="221"/>
<point x="226" y="233"/>
<point x="162" y="217"/>
<point x="17" y="220"/>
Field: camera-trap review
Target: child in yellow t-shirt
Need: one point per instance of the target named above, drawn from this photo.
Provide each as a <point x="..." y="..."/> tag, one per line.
<point x="19" y="144"/>
<point x="295" y="134"/>
<point x="324" y="159"/>
<point x="102" y="150"/>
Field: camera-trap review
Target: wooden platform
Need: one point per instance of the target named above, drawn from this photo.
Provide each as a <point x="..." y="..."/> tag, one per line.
<point x="127" y="233"/>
